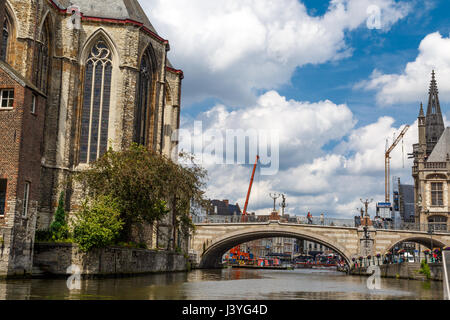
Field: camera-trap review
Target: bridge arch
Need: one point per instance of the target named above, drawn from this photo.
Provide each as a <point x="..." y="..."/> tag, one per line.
<point x="420" y="239"/>
<point x="212" y="255"/>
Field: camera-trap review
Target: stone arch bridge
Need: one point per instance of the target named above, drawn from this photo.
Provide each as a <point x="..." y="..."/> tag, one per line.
<point x="211" y="241"/>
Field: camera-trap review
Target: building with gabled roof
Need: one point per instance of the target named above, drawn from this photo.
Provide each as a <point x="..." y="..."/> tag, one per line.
<point x="431" y="169"/>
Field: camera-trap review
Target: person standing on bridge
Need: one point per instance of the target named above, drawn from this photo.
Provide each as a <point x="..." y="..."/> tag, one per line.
<point x="322" y="219"/>
<point x="309" y="217"/>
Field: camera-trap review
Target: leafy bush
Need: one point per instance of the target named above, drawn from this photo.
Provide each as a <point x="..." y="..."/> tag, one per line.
<point x="97" y="224"/>
<point x="425" y="269"/>
<point x="145" y="185"/>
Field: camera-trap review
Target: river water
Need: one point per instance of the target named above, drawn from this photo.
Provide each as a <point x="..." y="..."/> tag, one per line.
<point x="225" y="284"/>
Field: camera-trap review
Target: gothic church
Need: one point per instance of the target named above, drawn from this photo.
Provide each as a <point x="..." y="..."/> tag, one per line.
<point x="76" y="77"/>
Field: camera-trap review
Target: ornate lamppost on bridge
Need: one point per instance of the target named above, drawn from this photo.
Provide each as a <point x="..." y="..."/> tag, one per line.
<point x="283" y="204"/>
<point x="430" y="232"/>
<point x="366" y="216"/>
<point x="274" y="197"/>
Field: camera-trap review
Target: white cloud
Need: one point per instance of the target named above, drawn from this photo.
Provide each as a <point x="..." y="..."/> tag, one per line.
<point x="412" y="84"/>
<point x="369" y="143"/>
<point x="313" y="178"/>
<point x="230" y="48"/>
<point x="303" y="127"/>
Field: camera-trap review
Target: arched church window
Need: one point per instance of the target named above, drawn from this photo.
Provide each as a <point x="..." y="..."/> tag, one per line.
<point x="96" y="103"/>
<point x="143" y="107"/>
<point x="6" y="29"/>
<point x="42" y="59"/>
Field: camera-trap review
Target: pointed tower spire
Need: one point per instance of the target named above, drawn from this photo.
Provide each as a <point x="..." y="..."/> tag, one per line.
<point x="434" y="120"/>
<point x="422" y="130"/>
<point x="433" y="101"/>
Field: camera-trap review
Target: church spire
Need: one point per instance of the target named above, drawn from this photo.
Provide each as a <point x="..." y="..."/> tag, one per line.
<point x="433" y="101"/>
<point x="434" y="120"/>
<point x="422" y="131"/>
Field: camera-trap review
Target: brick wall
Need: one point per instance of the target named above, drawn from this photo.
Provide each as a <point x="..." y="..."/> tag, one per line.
<point x="10" y="135"/>
<point x="20" y="162"/>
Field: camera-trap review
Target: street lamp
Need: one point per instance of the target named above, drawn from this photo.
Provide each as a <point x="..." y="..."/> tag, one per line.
<point x="430" y="231"/>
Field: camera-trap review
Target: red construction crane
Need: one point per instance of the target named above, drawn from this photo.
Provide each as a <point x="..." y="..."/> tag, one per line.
<point x="244" y="214"/>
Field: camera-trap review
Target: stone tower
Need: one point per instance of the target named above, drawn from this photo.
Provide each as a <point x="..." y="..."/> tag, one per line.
<point x="434" y="121"/>
<point x="431" y="167"/>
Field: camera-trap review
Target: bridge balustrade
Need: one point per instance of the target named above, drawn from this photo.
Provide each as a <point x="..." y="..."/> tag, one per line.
<point x="337" y="222"/>
<point x="411" y="226"/>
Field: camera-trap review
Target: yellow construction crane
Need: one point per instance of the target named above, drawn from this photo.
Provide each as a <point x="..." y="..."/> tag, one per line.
<point x="387" y="157"/>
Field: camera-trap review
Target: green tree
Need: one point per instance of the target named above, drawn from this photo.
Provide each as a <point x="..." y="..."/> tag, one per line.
<point x="145" y="184"/>
<point x="98" y="223"/>
<point x="59" y="229"/>
<point x="185" y="186"/>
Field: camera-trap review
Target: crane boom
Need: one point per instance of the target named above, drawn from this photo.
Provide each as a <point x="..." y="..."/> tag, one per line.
<point x="250" y="187"/>
<point x="387" y="158"/>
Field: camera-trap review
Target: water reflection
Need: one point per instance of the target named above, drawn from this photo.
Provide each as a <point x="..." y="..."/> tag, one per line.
<point x="225" y="284"/>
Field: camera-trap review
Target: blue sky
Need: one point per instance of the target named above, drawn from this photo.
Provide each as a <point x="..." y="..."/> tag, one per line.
<point x="373" y="49"/>
<point x="335" y="89"/>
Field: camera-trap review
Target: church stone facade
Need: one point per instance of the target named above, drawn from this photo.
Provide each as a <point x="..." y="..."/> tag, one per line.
<point x="76" y="77"/>
<point x="431" y="169"/>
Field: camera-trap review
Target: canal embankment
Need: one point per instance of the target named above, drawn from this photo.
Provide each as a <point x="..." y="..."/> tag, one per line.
<point x="410" y="271"/>
<point x="54" y="259"/>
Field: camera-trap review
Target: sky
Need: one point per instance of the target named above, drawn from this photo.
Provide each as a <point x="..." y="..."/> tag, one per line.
<point x="332" y="82"/>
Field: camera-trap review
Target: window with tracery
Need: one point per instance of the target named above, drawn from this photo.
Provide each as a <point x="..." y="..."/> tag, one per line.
<point x="5" y="38"/>
<point x="42" y="59"/>
<point x="143" y="107"/>
<point x="96" y="103"/>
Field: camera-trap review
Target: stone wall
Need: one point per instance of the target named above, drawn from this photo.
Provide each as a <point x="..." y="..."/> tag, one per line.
<point x="404" y="271"/>
<point x="52" y="259"/>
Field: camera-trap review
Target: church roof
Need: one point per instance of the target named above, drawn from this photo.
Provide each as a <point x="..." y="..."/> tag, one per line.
<point x="112" y="9"/>
<point x="442" y="148"/>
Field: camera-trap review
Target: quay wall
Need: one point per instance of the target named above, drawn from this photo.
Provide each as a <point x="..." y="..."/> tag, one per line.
<point x="53" y="259"/>
<point x="403" y="271"/>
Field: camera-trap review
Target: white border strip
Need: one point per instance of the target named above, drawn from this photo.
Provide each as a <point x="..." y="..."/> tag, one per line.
<point x="446" y="279"/>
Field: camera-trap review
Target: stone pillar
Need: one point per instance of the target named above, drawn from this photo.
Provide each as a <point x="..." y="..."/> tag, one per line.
<point x="2" y="19"/>
<point x="2" y="16"/>
<point x="366" y="242"/>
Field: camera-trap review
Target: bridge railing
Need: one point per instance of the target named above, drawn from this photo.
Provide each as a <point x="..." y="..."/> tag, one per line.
<point x="424" y="227"/>
<point x="337" y="222"/>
